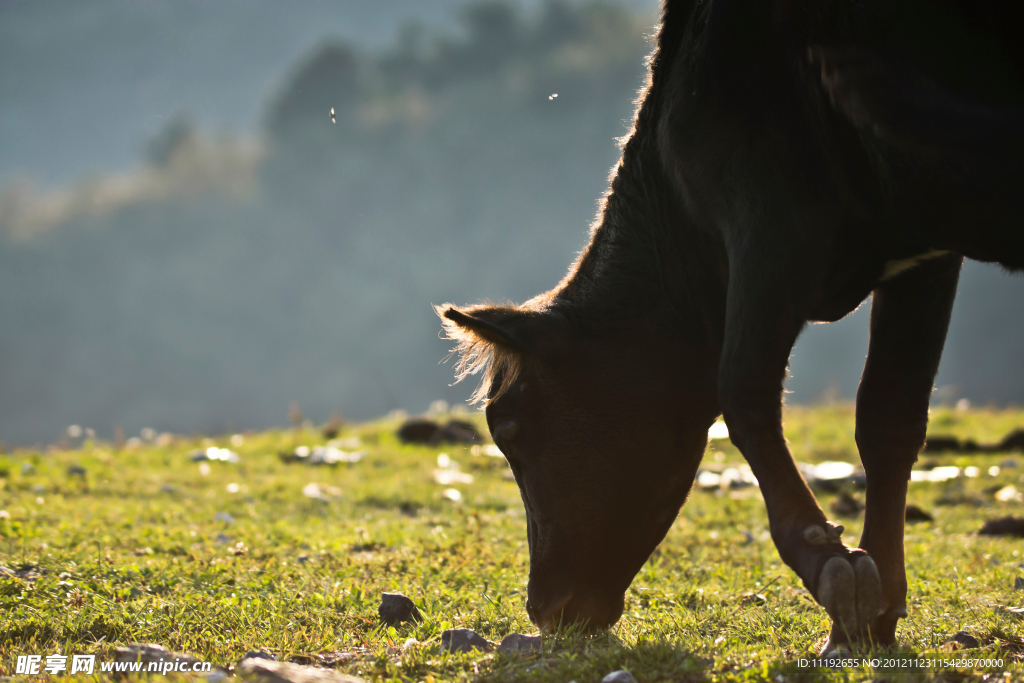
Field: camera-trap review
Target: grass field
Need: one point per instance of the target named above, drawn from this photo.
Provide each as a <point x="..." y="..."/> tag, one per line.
<point x="217" y="558"/>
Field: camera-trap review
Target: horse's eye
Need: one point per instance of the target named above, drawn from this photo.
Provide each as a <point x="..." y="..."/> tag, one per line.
<point x="506" y="430"/>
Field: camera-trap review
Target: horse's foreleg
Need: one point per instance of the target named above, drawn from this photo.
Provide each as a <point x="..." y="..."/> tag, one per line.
<point x="909" y="317"/>
<point x="765" y="310"/>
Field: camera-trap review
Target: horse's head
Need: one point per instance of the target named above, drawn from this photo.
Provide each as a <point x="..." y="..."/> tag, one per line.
<point x="604" y="435"/>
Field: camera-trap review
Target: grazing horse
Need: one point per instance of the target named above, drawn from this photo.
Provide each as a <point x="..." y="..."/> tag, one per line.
<point x="787" y="160"/>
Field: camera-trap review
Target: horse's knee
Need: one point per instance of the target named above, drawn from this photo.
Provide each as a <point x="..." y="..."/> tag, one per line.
<point x="892" y="444"/>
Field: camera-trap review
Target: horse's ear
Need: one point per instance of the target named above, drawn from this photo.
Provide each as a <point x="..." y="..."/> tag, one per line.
<point x="479" y="325"/>
<point x="528" y="332"/>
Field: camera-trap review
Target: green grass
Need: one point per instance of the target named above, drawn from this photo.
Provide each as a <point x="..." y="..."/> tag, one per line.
<point x="134" y="552"/>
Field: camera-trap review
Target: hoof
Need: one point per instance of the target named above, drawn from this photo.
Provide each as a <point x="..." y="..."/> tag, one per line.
<point x="850" y="590"/>
<point x="833" y="648"/>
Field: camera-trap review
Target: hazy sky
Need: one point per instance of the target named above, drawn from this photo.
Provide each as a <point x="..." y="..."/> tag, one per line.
<point x="84" y="83"/>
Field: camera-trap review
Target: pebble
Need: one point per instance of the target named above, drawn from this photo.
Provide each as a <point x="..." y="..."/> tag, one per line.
<point x="620" y="676"/>
<point x="968" y="641"/>
<point x="916" y="514"/>
<point x="322" y="455"/>
<point x="270" y="671"/>
<point x="423" y="431"/>
<point x="1018" y="583"/>
<point x="137" y="652"/>
<point x="1008" y="494"/>
<point x="1003" y="526"/>
<point x="845" y="505"/>
<point x="463" y="640"/>
<point x="520" y="642"/>
<point x="256" y="654"/>
<point x="1006" y="609"/>
<point x="417" y="430"/>
<point x="396" y="609"/>
<point x="29" y="572"/>
<point x="214" y="453"/>
<point x="452" y="476"/>
<point x="754" y="599"/>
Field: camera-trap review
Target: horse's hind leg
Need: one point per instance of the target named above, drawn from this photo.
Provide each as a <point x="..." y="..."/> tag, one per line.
<point x="909" y="317"/>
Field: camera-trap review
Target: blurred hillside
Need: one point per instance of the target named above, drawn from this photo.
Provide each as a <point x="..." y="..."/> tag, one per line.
<point x="226" y="276"/>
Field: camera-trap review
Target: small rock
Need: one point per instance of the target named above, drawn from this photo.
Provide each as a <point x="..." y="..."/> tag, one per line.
<point x="76" y="471"/>
<point x="520" y="642"/>
<point x="936" y="474"/>
<point x="452" y="476"/>
<point x="845" y="505"/>
<point x="270" y="671"/>
<point x="1018" y="582"/>
<point x="1003" y="526"/>
<point x="224" y="517"/>
<point x="417" y="430"/>
<point x="620" y="676"/>
<point x="222" y="538"/>
<point x="708" y="480"/>
<point x="256" y="654"/>
<point x="1012" y="611"/>
<point x="463" y="640"/>
<point x="916" y="514"/>
<point x="942" y="444"/>
<point x="459" y="431"/>
<point x="833" y="476"/>
<point x="137" y="652"/>
<point x="214" y="453"/>
<point x="966" y="640"/>
<point x="423" y="431"/>
<point x="27" y="468"/>
<point x="1014" y="441"/>
<point x="754" y="599"/>
<point x="321" y="455"/>
<point x="396" y="609"/>
<point x="1007" y="494"/>
<point x="737" y="477"/>
<point x="29" y="572"/>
